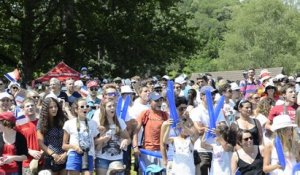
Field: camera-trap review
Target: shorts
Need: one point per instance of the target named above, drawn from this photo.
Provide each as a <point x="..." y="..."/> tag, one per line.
<point x="104" y="163"/>
<point x="74" y="162"/>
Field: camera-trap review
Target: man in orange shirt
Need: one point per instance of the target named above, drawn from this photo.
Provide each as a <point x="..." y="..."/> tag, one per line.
<point x="151" y="120"/>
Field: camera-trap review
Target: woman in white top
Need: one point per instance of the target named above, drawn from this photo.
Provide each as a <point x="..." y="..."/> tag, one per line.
<point x="79" y="134"/>
<point x="283" y="128"/>
<point x="115" y="138"/>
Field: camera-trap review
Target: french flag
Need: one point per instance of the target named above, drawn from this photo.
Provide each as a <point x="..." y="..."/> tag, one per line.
<point x="13" y="76"/>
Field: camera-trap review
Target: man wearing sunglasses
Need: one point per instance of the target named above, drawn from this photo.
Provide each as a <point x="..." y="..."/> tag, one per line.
<point x="151" y="120"/>
<point x="92" y="100"/>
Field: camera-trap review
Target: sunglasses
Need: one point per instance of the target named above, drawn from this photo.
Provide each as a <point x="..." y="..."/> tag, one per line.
<point x="247" y="139"/>
<point x="15" y="87"/>
<point x="230" y="91"/>
<point x="158" y="100"/>
<point x="177" y="87"/>
<point x="1" y="84"/>
<point x="36" y="97"/>
<point x="111" y="94"/>
<point x="93" y="89"/>
<point x="84" y="106"/>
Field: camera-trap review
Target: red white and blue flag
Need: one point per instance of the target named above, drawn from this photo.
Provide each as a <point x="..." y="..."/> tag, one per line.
<point x="13" y="76"/>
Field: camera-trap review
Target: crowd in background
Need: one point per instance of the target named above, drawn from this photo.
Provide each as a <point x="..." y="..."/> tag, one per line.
<point x="73" y="127"/>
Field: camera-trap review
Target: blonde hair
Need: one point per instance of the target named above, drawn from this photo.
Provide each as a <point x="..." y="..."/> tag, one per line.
<point x="288" y="143"/>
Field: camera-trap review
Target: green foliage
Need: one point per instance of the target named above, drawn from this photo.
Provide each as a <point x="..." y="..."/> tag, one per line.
<point x="262" y="34"/>
<point x="111" y="38"/>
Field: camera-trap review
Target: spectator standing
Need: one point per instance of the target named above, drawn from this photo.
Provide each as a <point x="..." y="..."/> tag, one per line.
<point x="50" y="136"/>
<point x="250" y="84"/>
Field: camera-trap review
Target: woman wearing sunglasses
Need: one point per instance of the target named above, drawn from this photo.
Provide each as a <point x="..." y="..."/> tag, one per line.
<point x="78" y="140"/>
<point x="112" y="142"/>
<point x="283" y="127"/>
<point x="249" y="159"/>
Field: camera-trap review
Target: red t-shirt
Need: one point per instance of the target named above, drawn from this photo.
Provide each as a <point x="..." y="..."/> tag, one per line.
<point x="9" y="150"/>
<point x="29" y="131"/>
<point x="279" y="109"/>
<point x="153" y="121"/>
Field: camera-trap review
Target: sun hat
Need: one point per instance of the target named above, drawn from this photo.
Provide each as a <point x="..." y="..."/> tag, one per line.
<point x="4" y="95"/>
<point x="264" y="75"/>
<point x="9" y="116"/>
<point x="282" y="121"/>
<point x="126" y="90"/>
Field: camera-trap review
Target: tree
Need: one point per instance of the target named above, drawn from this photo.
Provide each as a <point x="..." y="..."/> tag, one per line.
<point x="262" y="34"/>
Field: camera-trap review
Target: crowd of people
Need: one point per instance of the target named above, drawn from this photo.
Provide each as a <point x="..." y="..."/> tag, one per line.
<point x="75" y="127"/>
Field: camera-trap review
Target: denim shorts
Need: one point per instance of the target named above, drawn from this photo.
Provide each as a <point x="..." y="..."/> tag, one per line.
<point x="74" y="162"/>
<point x="104" y="163"/>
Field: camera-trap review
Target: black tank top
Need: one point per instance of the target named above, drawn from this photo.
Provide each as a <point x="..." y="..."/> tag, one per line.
<point x="254" y="133"/>
<point x="256" y="167"/>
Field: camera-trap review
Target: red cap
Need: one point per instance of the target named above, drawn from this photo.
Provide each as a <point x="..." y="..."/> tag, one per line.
<point x="9" y="116"/>
<point x="92" y="83"/>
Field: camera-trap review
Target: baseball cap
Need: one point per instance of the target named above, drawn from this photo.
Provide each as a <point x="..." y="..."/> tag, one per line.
<point x="205" y="88"/>
<point x="92" y="83"/>
<point x="154" y="96"/>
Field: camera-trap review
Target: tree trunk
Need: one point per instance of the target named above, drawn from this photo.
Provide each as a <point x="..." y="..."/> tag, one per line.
<point x="27" y="53"/>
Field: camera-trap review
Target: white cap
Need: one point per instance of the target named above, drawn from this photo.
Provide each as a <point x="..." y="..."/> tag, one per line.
<point x="78" y="83"/>
<point x="166" y="77"/>
<point x="234" y="86"/>
<point x="180" y="80"/>
<point x="279" y="76"/>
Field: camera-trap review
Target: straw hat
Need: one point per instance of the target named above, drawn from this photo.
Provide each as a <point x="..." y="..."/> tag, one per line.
<point x="282" y="121"/>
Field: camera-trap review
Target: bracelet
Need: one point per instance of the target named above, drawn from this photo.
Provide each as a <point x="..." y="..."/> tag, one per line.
<point x="134" y="147"/>
<point x="52" y="153"/>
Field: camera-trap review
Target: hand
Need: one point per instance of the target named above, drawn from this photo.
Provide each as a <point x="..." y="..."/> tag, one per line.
<point x="62" y="158"/>
<point x="8" y="159"/>
<point x="35" y="154"/>
<point x="101" y="129"/>
<point x="77" y="149"/>
<point x="170" y="122"/>
<point x="106" y="138"/>
<point x="124" y="144"/>
<point x="136" y="151"/>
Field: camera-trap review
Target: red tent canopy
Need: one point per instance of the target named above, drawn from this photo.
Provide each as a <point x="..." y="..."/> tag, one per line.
<point x="61" y="71"/>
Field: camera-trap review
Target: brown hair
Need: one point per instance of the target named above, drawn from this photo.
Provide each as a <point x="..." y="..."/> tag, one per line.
<point x="104" y="121"/>
<point x="239" y="135"/>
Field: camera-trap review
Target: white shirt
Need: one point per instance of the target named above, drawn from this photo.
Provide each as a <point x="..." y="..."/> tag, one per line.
<point x="70" y="127"/>
<point x="135" y="111"/>
<point x="111" y="150"/>
<point x="200" y="115"/>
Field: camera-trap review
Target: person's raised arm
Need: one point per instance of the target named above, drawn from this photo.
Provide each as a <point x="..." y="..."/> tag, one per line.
<point x="234" y="161"/>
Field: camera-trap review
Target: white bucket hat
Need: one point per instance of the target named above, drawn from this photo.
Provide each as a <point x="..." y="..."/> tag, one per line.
<point x="126" y="89"/>
<point x="282" y="121"/>
<point x="115" y="166"/>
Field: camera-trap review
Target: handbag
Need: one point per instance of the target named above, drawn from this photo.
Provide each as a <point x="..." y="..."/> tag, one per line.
<point x="197" y="159"/>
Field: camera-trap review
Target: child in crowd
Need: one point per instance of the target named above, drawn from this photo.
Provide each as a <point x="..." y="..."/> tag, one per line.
<point x="78" y="140"/>
<point x="183" y="160"/>
<point x="221" y="150"/>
